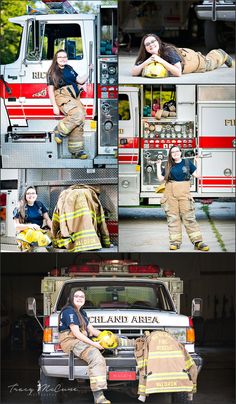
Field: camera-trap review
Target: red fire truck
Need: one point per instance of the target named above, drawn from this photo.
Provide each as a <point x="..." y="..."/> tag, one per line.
<point x="27" y="118"/>
<point x="200" y="119"/>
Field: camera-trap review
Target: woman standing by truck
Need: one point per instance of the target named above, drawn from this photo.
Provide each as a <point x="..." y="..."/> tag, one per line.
<point x="177" y="61"/>
<point x="74" y="335"/>
<point x="64" y="91"/>
<point x="177" y="200"/>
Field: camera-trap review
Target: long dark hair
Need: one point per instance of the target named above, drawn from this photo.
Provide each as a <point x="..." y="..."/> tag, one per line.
<point x="54" y="71"/>
<point x="22" y="204"/>
<point x="164" y="50"/>
<point x="170" y="163"/>
<point x="70" y="302"/>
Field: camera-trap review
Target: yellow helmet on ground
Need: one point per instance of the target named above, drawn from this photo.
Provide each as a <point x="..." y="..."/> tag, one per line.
<point x="29" y="237"/>
<point x="154" y="70"/>
<point x="107" y="340"/>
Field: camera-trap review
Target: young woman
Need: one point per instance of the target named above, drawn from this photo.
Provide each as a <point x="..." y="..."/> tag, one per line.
<point x="64" y="90"/>
<point x="74" y="335"/>
<point x="177" y="200"/>
<point x="30" y="213"/>
<point x="177" y="61"/>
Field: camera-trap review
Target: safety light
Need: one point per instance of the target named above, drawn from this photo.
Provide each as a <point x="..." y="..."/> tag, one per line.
<point x="168" y="273"/>
<point x="46" y="321"/>
<point x="148" y="269"/>
<point x="88" y="269"/>
<point x="47" y="335"/>
<point x="55" y="272"/>
<point x="73" y="269"/>
<point x="190" y="335"/>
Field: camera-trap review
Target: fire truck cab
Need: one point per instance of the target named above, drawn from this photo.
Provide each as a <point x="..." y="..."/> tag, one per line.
<point x="153" y="117"/>
<point x="122" y="296"/>
<point x="27" y="114"/>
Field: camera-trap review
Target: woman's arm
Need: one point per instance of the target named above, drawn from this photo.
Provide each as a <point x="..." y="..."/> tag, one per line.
<point x="137" y="69"/>
<point x="160" y="177"/>
<point x="47" y="220"/>
<point x="56" y="109"/>
<point x="78" y="334"/>
<point x="82" y="80"/>
<point x="23" y="226"/>
<point x="93" y="331"/>
<point x="197" y="173"/>
<point x="175" y="70"/>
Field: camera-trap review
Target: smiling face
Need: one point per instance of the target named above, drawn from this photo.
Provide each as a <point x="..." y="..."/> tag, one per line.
<point x="62" y="59"/>
<point x="175" y="154"/>
<point x="151" y="45"/>
<point x="30" y="196"/>
<point x="79" y="298"/>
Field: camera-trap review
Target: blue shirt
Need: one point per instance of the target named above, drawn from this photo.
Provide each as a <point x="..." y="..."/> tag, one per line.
<point x="69" y="316"/>
<point x="181" y="171"/>
<point x="68" y="78"/>
<point x="33" y="214"/>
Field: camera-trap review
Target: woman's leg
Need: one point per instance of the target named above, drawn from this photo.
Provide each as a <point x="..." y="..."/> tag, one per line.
<point x="171" y="206"/>
<point x="187" y="211"/>
<point x="96" y="369"/>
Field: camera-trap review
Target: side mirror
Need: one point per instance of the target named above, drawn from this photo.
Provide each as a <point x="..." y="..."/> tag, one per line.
<point x="31" y="306"/>
<point x="197" y="304"/>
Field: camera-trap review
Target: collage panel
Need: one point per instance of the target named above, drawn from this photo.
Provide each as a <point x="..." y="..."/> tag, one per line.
<point x="176" y="127"/>
<point x="59" y="89"/>
<point x="188" y="302"/>
<point x="64" y="210"/>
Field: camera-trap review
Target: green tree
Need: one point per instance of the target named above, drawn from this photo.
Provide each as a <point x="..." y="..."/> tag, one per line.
<point x="11" y="33"/>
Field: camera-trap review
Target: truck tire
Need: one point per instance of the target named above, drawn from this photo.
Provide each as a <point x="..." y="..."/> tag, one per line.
<point x="181" y="398"/>
<point x="213" y="34"/>
<point x="47" y="386"/>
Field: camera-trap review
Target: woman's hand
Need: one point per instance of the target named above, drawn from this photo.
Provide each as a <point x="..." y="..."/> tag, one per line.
<point x="98" y="346"/>
<point x="159" y="163"/>
<point x="33" y="226"/>
<point x="155" y="58"/>
<point x="196" y="159"/>
<point x="56" y="110"/>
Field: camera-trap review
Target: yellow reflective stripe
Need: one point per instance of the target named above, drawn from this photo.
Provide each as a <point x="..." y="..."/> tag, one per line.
<point x="68" y="215"/>
<point x="188" y="363"/>
<point x="175" y="236"/>
<point x="162" y="377"/>
<point x="161" y="355"/>
<point x="167" y="374"/>
<point x="63" y="127"/>
<point x="195" y="233"/>
<point x="76" y="236"/>
<point x="168" y="389"/>
<point x="78" y="248"/>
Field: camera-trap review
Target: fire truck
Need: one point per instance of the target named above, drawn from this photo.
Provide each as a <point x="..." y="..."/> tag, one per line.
<point x="27" y="118"/>
<point x="122" y="296"/>
<point x="49" y="184"/>
<point x="152" y="118"/>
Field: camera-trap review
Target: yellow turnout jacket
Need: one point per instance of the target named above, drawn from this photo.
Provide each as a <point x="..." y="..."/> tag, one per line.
<point x="78" y="221"/>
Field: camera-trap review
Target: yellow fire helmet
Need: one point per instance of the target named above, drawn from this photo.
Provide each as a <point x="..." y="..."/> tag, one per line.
<point x="155" y="70"/>
<point x="107" y="340"/>
<point x="33" y="237"/>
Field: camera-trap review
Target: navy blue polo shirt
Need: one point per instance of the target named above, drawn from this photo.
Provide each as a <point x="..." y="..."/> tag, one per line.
<point x="69" y="316"/>
<point x="68" y="78"/>
<point x="180" y="171"/>
<point x="33" y="214"/>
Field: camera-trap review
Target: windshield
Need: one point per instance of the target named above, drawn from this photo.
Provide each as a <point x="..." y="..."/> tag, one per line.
<point x="110" y="295"/>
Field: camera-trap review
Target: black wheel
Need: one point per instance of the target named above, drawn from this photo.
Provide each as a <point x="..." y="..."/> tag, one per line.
<point x="181" y="398"/>
<point x="48" y="389"/>
<point x="214" y="35"/>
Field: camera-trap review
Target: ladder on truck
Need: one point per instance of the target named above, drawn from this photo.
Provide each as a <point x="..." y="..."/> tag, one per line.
<point x="60" y="6"/>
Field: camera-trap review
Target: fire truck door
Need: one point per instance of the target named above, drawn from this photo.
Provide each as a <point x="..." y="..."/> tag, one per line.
<point x="128" y="125"/>
<point x="72" y="35"/>
<point x="218" y="173"/>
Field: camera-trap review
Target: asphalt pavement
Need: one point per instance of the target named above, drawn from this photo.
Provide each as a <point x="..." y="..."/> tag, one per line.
<point x="145" y="229"/>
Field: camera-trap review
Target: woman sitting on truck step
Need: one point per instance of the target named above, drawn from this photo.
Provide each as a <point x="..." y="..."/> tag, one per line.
<point x="64" y="87"/>
<point x="177" y="200"/>
<point x="74" y="335"/>
<point x="177" y="61"/>
<point x="28" y="218"/>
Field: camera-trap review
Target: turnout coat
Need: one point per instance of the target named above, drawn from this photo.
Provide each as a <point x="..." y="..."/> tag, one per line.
<point x="78" y="222"/>
<point x="164" y="365"/>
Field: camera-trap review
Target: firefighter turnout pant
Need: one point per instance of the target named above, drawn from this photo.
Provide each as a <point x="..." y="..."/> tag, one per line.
<point x="73" y="123"/>
<point x="178" y="205"/>
<point x="195" y="62"/>
<point x="92" y="356"/>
